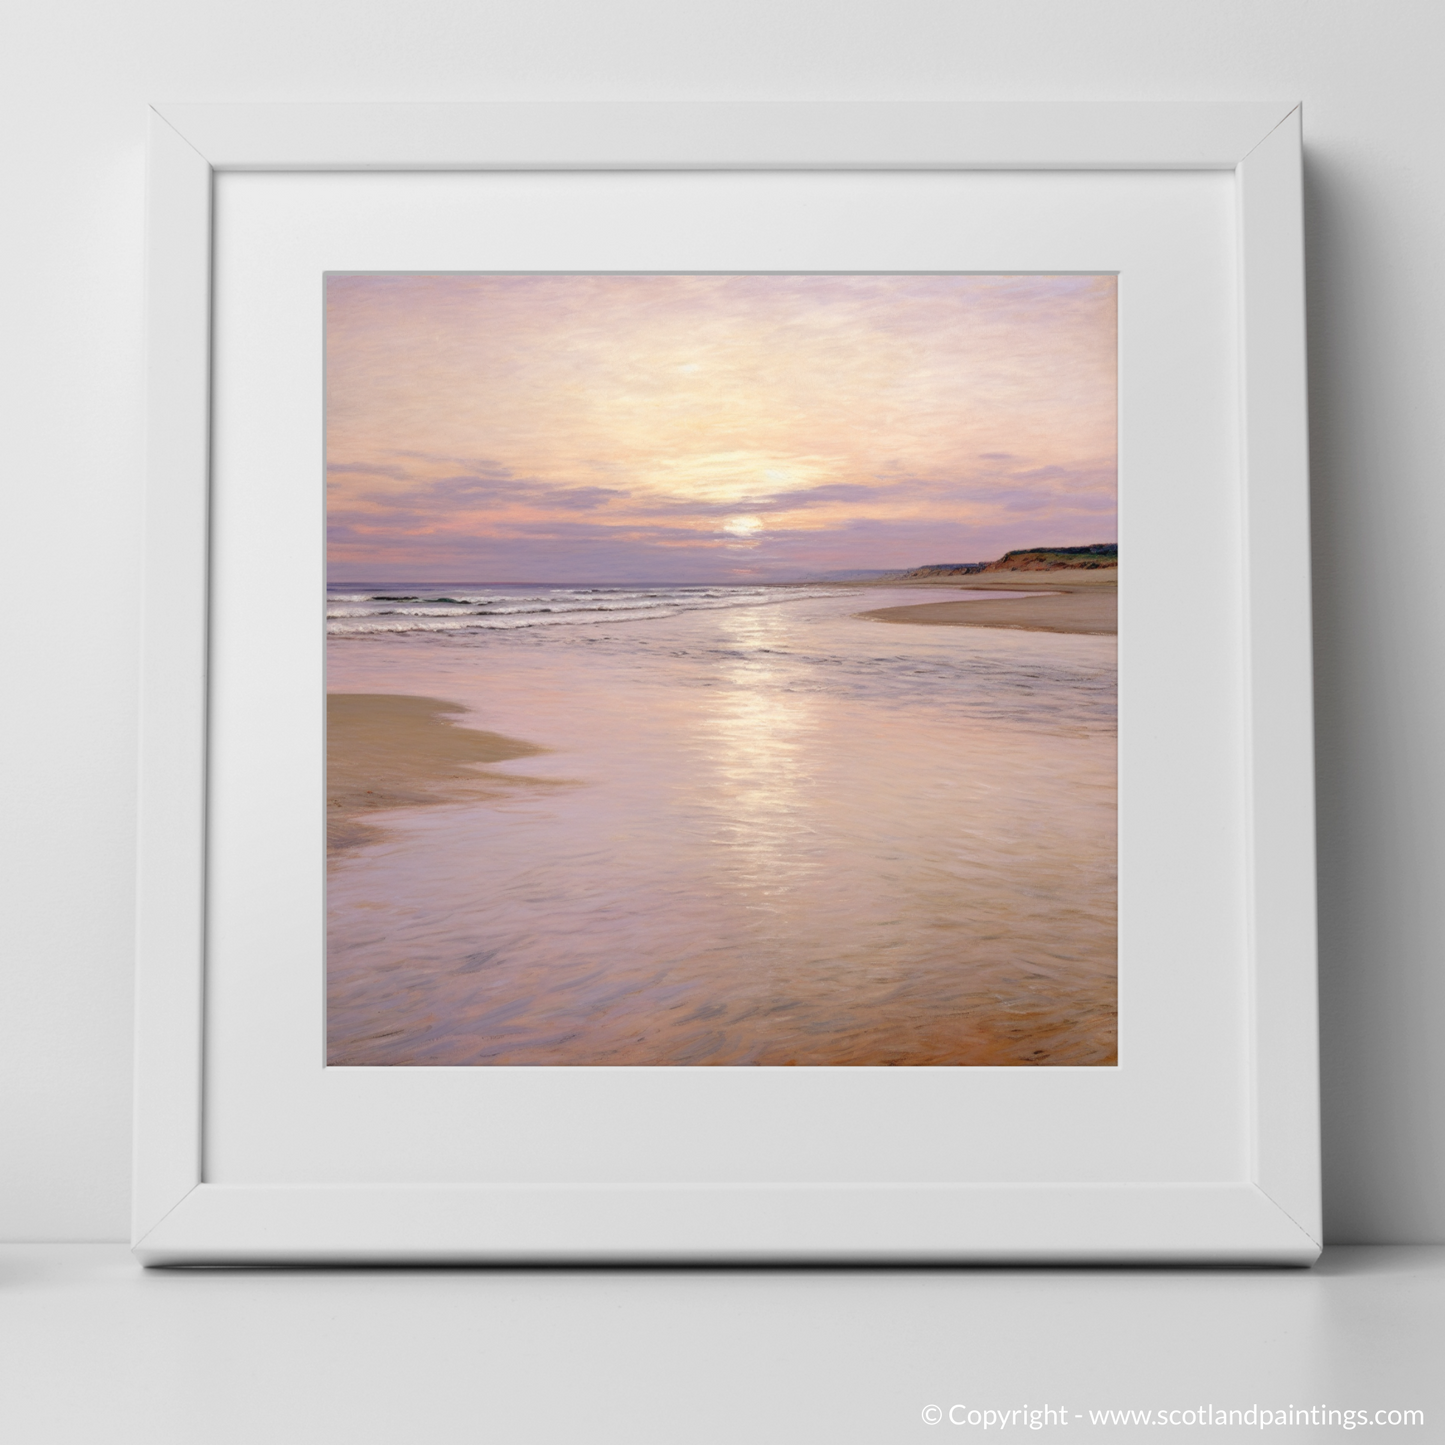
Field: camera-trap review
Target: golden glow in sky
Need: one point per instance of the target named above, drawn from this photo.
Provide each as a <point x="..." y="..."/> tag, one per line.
<point x="537" y="428"/>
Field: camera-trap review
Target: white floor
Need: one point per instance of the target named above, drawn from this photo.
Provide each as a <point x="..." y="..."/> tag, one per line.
<point x="94" y="1349"/>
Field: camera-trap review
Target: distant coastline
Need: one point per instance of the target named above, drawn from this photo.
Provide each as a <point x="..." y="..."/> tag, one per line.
<point x="1087" y="565"/>
<point x="1081" y="592"/>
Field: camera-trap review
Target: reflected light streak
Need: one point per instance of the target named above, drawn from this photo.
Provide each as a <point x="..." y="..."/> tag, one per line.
<point x="758" y="742"/>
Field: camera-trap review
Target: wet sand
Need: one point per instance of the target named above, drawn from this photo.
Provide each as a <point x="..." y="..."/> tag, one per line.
<point x="754" y="872"/>
<point x="1092" y="611"/>
<point x="387" y="750"/>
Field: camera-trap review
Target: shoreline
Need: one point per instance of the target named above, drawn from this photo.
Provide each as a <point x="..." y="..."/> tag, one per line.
<point x="393" y="750"/>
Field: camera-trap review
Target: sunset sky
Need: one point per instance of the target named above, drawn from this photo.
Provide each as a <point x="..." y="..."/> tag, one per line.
<point x="534" y="428"/>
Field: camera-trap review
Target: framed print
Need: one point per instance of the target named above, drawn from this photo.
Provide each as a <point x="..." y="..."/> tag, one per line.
<point x="639" y="760"/>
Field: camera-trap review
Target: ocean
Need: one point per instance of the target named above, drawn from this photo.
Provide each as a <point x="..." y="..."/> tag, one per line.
<point x="764" y="832"/>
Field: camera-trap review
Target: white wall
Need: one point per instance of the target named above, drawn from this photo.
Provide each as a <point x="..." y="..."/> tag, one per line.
<point x="75" y="76"/>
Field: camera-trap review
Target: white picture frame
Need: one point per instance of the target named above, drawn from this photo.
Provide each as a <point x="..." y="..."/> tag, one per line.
<point x="1269" y="1213"/>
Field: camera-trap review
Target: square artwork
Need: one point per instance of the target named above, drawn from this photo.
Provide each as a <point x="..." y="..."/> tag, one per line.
<point x="721" y="669"/>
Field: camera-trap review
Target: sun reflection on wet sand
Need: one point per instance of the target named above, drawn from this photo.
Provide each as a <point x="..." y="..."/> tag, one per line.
<point x="756" y="740"/>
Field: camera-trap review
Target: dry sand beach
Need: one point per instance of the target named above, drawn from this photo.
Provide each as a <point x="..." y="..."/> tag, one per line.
<point x="386" y="751"/>
<point x="1087" y="603"/>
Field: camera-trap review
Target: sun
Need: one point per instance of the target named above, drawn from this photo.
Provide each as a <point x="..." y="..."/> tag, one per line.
<point x="743" y="526"/>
